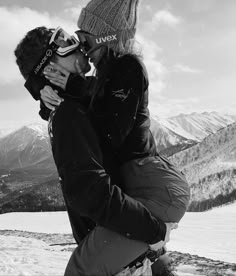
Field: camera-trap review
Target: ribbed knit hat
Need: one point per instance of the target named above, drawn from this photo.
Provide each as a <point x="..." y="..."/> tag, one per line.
<point x="107" y="16"/>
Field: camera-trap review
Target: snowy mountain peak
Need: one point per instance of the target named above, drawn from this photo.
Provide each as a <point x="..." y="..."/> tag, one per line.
<point x="40" y="129"/>
<point x="24" y="147"/>
<point x="197" y="126"/>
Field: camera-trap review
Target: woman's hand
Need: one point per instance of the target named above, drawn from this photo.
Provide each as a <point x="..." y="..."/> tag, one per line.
<point x="169" y="226"/>
<point x="56" y="74"/>
<point x="50" y="97"/>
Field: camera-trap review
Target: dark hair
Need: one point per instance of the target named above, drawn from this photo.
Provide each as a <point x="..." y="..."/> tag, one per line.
<point x="31" y="48"/>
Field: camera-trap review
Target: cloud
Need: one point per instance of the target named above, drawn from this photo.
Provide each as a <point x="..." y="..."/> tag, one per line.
<point x="165" y="17"/>
<point x="14" y="24"/>
<point x="73" y="12"/>
<point x="19" y="110"/>
<point x="148" y="8"/>
<point x="185" y="69"/>
<point x="156" y="69"/>
<point x="166" y="107"/>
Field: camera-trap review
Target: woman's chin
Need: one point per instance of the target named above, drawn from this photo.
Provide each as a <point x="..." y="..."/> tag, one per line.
<point x="88" y="68"/>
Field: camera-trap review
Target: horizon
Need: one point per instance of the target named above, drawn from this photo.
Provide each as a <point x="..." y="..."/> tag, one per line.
<point x="188" y="49"/>
<point x="12" y="126"/>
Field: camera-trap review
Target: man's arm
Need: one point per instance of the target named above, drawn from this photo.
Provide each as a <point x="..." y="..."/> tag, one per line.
<point x="87" y="186"/>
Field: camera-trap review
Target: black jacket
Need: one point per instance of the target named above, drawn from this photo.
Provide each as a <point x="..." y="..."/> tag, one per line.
<point x="88" y="190"/>
<point x="121" y="116"/>
<point x="125" y="124"/>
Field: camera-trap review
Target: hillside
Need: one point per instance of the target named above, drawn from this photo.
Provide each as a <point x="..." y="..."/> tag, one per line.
<point x="210" y="167"/>
<point x="169" y="142"/>
<point x="33" y="190"/>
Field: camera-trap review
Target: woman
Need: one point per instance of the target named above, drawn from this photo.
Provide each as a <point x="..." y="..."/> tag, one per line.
<point x="119" y="103"/>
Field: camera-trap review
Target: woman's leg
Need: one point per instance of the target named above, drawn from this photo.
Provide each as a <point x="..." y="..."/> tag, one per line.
<point x="159" y="185"/>
<point x="103" y="253"/>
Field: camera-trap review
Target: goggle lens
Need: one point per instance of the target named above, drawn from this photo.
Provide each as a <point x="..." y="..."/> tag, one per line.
<point x="65" y="42"/>
<point x="63" y="39"/>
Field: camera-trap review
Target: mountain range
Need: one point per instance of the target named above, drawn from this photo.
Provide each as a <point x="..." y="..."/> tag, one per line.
<point x="26" y="147"/>
<point x="26" y="161"/>
<point x="210" y="168"/>
<point x="185" y="130"/>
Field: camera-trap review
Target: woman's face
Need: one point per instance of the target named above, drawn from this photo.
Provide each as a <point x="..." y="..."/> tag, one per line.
<point x="68" y="62"/>
<point x="96" y="56"/>
<point x="91" y="48"/>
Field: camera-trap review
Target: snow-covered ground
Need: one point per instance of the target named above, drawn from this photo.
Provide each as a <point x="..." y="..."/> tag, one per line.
<point x="42" y="222"/>
<point x="27" y="257"/>
<point x="20" y="256"/>
<point x="210" y="234"/>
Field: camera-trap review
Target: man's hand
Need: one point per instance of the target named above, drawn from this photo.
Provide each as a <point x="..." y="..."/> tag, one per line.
<point x="50" y="97"/>
<point x="56" y="74"/>
<point x="169" y="226"/>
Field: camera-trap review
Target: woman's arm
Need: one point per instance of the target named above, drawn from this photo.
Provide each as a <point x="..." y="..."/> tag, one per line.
<point x="124" y="95"/>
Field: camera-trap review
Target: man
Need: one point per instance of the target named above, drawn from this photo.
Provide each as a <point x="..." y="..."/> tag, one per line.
<point x="91" y="197"/>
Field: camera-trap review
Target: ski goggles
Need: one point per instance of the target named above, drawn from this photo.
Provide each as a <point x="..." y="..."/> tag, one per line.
<point x="90" y="43"/>
<point x="62" y="44"/>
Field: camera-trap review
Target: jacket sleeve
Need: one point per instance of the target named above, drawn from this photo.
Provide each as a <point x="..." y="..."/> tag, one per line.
<point x="74" y="82"/>
<point x="88" y="188"/>
<point x="44" y="112"/>
<point x="124" y="96"/>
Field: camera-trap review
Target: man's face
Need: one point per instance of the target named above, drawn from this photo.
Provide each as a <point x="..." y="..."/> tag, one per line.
<point x="68" y="62"/>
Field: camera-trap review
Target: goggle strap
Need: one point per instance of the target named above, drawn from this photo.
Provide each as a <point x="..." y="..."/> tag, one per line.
<point x="34" y="80"/>
<point x="106" y="38"/>
<point x="52" y="48"/>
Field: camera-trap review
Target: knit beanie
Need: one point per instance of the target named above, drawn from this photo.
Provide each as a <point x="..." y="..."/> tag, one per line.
<point x="107" y="16"/>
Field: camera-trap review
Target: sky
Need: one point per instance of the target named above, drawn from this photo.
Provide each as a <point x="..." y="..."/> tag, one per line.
<point x="188" y="48"/>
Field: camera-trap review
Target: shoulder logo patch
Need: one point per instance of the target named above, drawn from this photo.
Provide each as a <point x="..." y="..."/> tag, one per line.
<point x="122" y="94"/>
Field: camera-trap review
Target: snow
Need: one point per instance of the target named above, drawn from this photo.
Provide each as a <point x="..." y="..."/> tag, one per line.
<point x="41" y="128"/>
<point x="187" y="270"/>
<point x="42" y="222"/>
<point x="26" y="257"/>
<point x="177" y="128"/>
<point x="209" y="234"/>
<point x="4" y="175"/>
